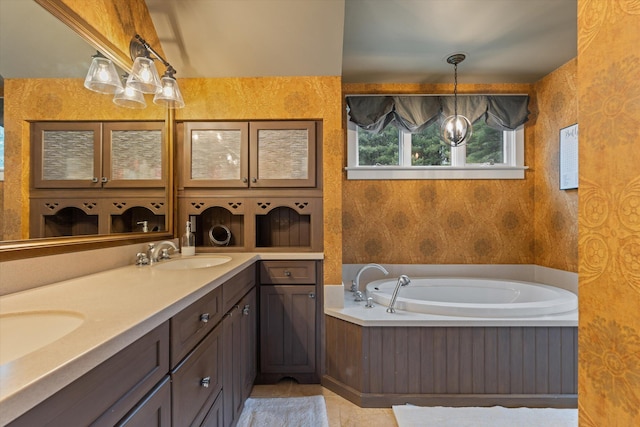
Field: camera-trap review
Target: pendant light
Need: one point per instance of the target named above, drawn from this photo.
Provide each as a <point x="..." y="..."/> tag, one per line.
<point x="129" y="97"/>
<point x="456" y="130"/>
<point x="102" y="76"/>
<point x="170" y="94"/>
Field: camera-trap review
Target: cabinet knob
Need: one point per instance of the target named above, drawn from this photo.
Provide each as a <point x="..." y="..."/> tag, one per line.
<point x="244" y="179"/>
<point x="104" y="179"/>
<point x="94" y="179"/>
<point x="254" y="179"/>
<point x="287" y="273"/>
<point x="204" y="317"/>
<point x="245" y="310"/>
<point x="205" y="382"/>
<point x="312" y="295"/>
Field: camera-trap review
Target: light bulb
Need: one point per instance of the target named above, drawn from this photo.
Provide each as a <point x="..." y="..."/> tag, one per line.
<point x="145" y="74"/>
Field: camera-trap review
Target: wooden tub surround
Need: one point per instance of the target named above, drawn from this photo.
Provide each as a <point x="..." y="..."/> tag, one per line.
<point x="381" y="366"/>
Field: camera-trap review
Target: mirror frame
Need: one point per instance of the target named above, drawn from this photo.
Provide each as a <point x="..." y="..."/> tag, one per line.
<point x="21" y="249"/>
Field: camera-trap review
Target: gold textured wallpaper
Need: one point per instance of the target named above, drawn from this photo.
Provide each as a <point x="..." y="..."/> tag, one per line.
<point x="555" y="217"/>
<point x="464" y="221"/>
<point x="609" y="212"/>
<point x="316" y="98"/>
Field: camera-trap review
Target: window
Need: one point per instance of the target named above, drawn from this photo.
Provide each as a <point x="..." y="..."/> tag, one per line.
<point x="393" y="151"/>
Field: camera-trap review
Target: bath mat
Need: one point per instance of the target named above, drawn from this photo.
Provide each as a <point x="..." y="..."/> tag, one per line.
<point x="496" y="416"/>
<point x="308" y="411"/>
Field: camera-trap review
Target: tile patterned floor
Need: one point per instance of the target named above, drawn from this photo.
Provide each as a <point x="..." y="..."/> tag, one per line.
<point x="341" y="412"/>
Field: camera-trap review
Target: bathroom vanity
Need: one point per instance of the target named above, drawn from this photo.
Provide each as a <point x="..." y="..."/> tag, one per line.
<point x="156" y="346"/>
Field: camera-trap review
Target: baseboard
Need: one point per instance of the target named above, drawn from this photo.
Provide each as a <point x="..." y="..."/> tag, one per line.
<point x="371" y="400"/>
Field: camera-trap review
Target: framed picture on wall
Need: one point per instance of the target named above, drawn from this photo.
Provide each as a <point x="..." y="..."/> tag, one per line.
<point x="569" y="157"/>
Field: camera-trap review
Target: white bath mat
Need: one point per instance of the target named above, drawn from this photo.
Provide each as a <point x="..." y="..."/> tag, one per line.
<point x="496" y="416"/>
<point x="308" y="411"/>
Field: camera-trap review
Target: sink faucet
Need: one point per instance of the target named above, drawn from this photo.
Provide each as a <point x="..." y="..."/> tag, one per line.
<point x="355" y="284"/>
<point x="156" y="252"/>
<point x="402" y="281"/>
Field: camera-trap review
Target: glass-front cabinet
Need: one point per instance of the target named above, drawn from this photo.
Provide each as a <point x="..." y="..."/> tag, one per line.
<point x="249" y="154"/>
<point x="97" y="178"/>
<point x="95" y="155"/>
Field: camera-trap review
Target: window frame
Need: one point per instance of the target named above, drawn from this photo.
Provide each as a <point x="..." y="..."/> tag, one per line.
<point x="513" y="168"/>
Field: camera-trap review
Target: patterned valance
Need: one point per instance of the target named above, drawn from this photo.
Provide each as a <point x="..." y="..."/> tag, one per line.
<point x="414" y="113"/>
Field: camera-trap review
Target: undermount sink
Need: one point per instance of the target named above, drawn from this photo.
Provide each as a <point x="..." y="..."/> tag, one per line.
<point x="198" y="261"/>
<point x="27" y="331"/>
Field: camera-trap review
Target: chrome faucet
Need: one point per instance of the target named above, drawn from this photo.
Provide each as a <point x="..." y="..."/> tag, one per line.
<point x="402" y="281"/>
<point x="156" y="252"/>
<point x="355" y="284"/>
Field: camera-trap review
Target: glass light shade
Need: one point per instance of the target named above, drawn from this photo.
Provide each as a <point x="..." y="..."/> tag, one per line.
<point x="456" y="130"/>
<point x="170" y="94"/>
<point x="144" y="76"/>
<point x="102" y="76"/>
<point x="130" y="98"/>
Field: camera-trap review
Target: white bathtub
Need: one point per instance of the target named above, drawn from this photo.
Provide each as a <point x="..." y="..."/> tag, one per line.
<point x="473" y="297"/>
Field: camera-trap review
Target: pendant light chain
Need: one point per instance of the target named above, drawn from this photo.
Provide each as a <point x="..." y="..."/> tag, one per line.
<point x="455" y="89"/>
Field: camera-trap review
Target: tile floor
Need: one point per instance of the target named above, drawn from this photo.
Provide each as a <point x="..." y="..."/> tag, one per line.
<point x="341" y="412"/>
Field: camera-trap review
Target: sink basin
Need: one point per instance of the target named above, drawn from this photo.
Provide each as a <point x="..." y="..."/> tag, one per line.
<point x="198" y="261"/>
<point x="24" y="332"/>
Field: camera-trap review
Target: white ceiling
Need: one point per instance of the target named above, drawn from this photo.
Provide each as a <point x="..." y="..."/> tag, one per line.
<point x="370" y="41"/>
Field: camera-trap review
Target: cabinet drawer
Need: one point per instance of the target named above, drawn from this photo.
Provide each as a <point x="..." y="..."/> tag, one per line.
<point x="153" y="410"/>
<point x="108" y="392"/>
<point x="237" y="287"/>
<point x="194" y="322"/>
<point x="287" y="272"/>
<point x="197" y="381"/>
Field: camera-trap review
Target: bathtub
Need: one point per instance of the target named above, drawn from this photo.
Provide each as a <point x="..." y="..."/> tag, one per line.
<point x="475" y="297"/>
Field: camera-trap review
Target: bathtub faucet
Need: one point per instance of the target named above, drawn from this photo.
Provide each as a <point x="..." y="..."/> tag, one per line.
<point x="402" y="281"/>
<point x="355" y="284"/>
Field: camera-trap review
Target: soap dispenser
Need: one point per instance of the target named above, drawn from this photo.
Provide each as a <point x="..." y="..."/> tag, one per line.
<point x="188" y="241"/>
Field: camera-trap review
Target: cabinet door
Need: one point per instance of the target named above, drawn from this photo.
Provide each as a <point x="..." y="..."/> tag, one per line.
<point x="234" y="361"/>
<point x="66" y="155"/>
<point x="287" y="329"/>
<point x="134" y="154"/>
<point x="215" y="154"/>
<point x="283" y="154"/>
<point x="249" y="334"/>
<point x="197" y="381"/>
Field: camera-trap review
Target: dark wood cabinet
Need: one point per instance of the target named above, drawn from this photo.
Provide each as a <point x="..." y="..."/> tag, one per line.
<point x="197" y="381"/>
<point x="98" y="154"/>
<point x="193" y="323"/>
<point x="248" y="154"/>
<point x="288" y="320"/>
<point x="240" y="365"/>
<point x="106" y="394"/>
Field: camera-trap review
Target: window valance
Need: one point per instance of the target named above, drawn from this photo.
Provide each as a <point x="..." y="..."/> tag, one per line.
<point x="414" y="113"/>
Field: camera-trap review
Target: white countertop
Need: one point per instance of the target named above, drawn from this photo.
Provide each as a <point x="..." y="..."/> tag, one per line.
<point x="356" y="312"/>
<point x="119" y="306"/>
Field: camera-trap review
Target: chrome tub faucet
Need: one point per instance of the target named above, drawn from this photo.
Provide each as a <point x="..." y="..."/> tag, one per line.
<point x="355" y="283"/>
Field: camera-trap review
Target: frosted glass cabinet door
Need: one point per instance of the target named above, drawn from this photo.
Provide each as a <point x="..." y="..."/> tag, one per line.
<point x="283" y="154"/>
<point x="216" y="154"/>
<point x="134" y="154"/>
<point x="66" y="155"/>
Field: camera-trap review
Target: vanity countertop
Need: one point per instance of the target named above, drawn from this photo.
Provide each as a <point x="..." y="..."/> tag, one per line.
<point x="119" y="306"/>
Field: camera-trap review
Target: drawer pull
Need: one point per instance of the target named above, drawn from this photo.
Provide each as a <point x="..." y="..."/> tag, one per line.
<point x="287" y="273"/>
<point x="312" y="295"/>
<point x="245" y="310"/>
<point x="205" y="382"/>
<point x="204" y="317"/>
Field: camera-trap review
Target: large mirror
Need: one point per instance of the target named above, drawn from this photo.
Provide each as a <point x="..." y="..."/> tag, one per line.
<point x="43" y="63"/>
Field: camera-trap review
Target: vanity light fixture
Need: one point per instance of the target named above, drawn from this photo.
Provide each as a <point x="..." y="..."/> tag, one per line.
<point x="144" y="75"/>
<point x="102" y="76"/>
<point x="456" y="130"/>
<point x="129" y="97"/>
